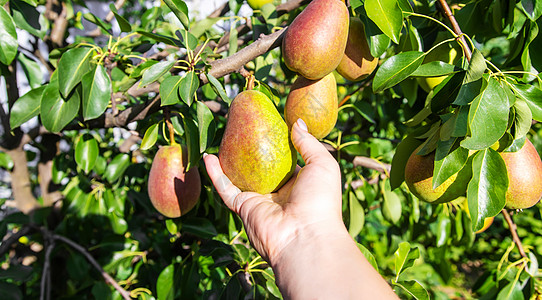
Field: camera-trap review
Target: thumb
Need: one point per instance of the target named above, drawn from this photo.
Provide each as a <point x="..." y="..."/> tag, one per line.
<point x="309" y="147"/>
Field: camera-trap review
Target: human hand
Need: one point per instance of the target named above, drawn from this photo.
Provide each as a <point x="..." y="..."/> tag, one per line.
<point x="309" y="202"/>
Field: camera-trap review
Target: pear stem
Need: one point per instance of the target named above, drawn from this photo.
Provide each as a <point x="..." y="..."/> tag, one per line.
<point x="170" y="128"/>
<point x="512" y="226"/>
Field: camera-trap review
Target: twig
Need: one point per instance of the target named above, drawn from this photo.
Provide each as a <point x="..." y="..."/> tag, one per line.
<point x="45" y="293"/>
<point x="235" y="62"/>
<point x="370" y="163"/>
<point x="512" y="226"/>
<point x="448" y="12"/>
<point x="361" y="87"/>
<point x="6" y="244"/>
<point x="124" y="293"/>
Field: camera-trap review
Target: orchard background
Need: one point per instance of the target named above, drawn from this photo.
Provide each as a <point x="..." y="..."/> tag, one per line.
<point x="86" y="88"/>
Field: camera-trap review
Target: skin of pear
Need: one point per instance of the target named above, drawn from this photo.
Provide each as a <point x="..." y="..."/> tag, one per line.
<point x="314" y="101"/>
<point x="357" y="62"/>
<point x="314" y="43"/>
<point x="172" y="190"/>
<point x="524" y="177"/>
<point x="419" y="179"/>
<point x="256" y="153"/>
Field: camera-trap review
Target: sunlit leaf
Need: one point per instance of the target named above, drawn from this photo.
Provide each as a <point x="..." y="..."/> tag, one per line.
<point x="396" y="69"/>
<point x="387" y="16"/>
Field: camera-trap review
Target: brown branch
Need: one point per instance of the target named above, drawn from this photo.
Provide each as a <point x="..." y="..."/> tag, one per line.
<point x="118" y="5"/>
<point x="45" y="293"/>
<point x="370" y="163"/>
<point x="124" y="293"/>
<point x="512" y="226"/>
<point x="59" y="27"/>
<point x="265" y="43"/>
<point x="448" y="12"/>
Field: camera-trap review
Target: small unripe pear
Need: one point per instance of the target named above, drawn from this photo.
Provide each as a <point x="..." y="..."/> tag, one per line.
<point x="357" y="62"/>
<point x="315" y="102"/>
<point x="172" y="190"/>
<point x="524" y="177"/>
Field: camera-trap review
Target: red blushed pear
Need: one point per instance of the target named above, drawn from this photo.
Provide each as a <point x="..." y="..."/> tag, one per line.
<point x="524" y="177"/>
<point x="172" y="190"/>
<point x="357" y="62"/>
<point x="256" y="153"/>
<point x="314" y="43"/>
<point x="315" y="102"/>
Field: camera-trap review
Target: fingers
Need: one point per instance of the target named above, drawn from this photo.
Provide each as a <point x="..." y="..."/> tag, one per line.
<point x="308" y="146"/>
<point x="225" y="188"/>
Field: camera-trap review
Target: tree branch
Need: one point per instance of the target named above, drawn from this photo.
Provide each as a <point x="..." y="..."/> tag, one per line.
<point x="448" y="12"/>
<point x="265" y="43"/>
<point x="13" y="238"/>
<point x="370" y="163"/>
<point x="124" y="293"/>
<point x="512" y="226"/>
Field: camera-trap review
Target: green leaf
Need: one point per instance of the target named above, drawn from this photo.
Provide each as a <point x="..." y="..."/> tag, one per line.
<point x="161" y="38"/>
<point x="511" y="291"/>
<point x="179" y="8"/>
<point x="533" y="96"/>
<point x="192" y="144"/>
<point x="140" y="69"/>
<point x="486" y="191"/>
<point x="368" y="255"/>
<point x="171" y="227"/>
<point x="203" y="25"/>
<point x="32" y="71"/>
<point x="218" y="88"/>
<point x="206" y="127"/>
<point x="8" y="38"/>
<point x="118" y="224"/>
<point x="450" y="164"/>
<point x="165" y="289"/>
<point x="86" y="152"/>
<point x="400" y="158"/>
<point x="169" y="90"/>
<point x="396" y="69"/>
<point x="488" y="117"/>
<point x="150" y="137"/>
<point x="201" y="227"/>
<point x="232" y="40"/>
<point x="28" y="18"/>
<point x="5" y="161"/>
<point x="189" y="40"/>
<point x="357" y="215"/>
<point x="405" y="257"/>
<point x="391" y="206"/>
<point x="123" y="23"/>
<point x="188" y="86"/>
<point x="73" y="64"/>
<point x="155" y="72"/>
<point x="26" y="107"/>
<point x="387" y="16"/>
<point x="532" y="8"/>
<point x="9" y="290"/>
<point x="435" y="68"/>
<point x="444" y="229"/>
<point x="96" y="92"/>
<point x="523" y="118"/>
<point x="472" y="84"/>
<point x="414" y="288"/>
<point x="116" y="167"/>
<point x="56" y="112"/>
<point x="446" y="92"/>
<point x="98" y="22"/>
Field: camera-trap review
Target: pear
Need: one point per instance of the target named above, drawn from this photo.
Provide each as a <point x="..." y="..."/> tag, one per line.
<point x="255" y="152"/>
<point x="172" y="190"/>
<point x="314" y="43"/>
<point x="524" y="177"/>
<point x="314" y="101"/>
<point x="357" y="62"/>
<point x="419" y="179"/>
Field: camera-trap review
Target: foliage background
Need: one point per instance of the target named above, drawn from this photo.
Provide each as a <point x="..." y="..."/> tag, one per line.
<point x="75" y="217"/>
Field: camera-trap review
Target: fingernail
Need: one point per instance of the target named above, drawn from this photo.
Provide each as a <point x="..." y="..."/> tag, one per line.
<point x="302" y="124"/>
<point x="205" y="154"/>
